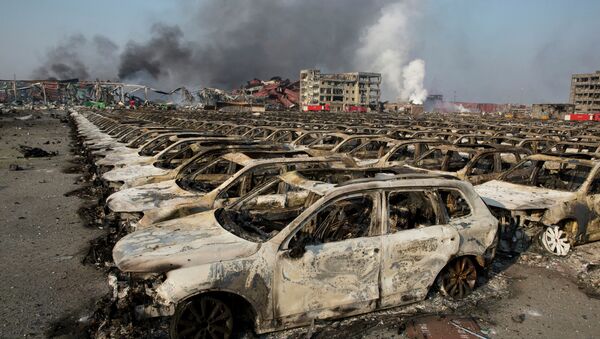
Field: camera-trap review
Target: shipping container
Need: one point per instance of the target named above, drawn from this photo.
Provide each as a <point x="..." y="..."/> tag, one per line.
<point x="583" y="117"/>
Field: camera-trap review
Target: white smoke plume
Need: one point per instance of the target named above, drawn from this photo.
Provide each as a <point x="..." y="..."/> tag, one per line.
<point x="414" y="74"/>
<point x="385" y="48"/>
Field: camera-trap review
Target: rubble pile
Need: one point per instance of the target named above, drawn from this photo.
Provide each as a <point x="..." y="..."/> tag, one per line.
<point x="275" y="93"/>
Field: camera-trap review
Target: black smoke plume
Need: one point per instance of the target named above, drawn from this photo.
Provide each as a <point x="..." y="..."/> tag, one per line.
<point x="225" y="43"/>
<point x="78" y="57"/>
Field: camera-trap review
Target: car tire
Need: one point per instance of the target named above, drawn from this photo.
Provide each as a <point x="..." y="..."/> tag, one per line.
<point x="458" y="279"/>
<point x="202" y="317"/>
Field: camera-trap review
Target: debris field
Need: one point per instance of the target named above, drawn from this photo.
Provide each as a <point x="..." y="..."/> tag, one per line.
<point x="321" y="224"/>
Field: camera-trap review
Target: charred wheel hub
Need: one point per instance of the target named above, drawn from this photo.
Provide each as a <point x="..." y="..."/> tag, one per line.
<point x="459" y="278"/>
<point x="203" y="317"/>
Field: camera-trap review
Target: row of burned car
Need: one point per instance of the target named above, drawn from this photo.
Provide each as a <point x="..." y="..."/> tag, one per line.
<point x="281" y="219"/>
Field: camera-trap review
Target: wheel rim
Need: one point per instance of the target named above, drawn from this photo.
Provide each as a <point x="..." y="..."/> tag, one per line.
<point x="556" y="241"/>
<point x="204" y="318"/>
<point x="460" y="278"/>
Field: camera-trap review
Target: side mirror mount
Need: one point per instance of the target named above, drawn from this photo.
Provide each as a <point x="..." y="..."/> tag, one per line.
<point x="296" y="252"/>
<point x="298" y="248"/>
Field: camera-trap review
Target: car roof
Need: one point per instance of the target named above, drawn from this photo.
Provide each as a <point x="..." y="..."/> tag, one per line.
<point x="590" y="159"/>
<point x="412" y="179"/>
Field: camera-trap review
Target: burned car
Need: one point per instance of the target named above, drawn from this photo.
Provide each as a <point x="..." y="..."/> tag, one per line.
<point x="296" y="250"/>
<point x="385" y="152"/>
<point x="553" y="198"/>
<point x="170" y="168"/>
<point x="474" y="163"/>
<point x="168" y="159"/>
<point x="237" y="188"/>
<point x="223" y="177"/>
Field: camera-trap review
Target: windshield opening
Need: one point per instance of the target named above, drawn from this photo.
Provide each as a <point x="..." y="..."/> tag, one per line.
<point x="177" y="156"/>
<point x="263" y="213"/>
<point x="404" y="153"/>
<point x="372" y="150"/>
<point x="209" y="177"/>
<point x="327" y="142"/>
<point x="556" y="175"/>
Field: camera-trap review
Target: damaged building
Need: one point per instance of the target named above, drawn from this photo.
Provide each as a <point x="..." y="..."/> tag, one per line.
<point x="339" y="92"/>
<point x="585" y="92"/>
<point x="551" y="111"/>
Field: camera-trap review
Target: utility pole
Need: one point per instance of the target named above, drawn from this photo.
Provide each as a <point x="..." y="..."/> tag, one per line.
<point x="15" y="86"/>
<point x="44" y="93"/>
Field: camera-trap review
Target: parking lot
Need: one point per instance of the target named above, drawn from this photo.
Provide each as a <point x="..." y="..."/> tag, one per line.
<point x="293" y="225"/>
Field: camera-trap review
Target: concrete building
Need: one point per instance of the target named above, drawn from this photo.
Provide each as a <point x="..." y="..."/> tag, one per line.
<point x="551" y="111"/>
<point x="585" y="92"/>
<point x="339" y="92"/>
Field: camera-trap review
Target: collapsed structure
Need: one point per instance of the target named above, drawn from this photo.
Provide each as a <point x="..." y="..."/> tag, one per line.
<point x="75" y="91"/>
<point x="274" y="93"/>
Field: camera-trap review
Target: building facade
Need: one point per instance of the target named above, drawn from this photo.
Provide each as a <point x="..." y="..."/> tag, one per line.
<point x="585" y="92"/>
<point x="339" y="92"/>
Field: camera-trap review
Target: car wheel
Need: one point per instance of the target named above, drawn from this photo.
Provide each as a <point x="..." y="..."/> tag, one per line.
<point x="555" y="241"/>
<point x="458" y="279"/>
<point x="203" y="317"/>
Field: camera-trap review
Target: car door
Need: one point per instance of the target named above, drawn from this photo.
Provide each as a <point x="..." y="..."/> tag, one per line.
<point x="416" y="246"/>
<point x="331" y="264"/>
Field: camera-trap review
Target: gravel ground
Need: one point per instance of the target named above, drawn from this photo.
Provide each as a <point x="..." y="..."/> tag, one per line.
<point x="44" y="285"/>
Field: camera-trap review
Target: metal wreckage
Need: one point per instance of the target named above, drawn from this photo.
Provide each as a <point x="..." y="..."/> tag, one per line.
<point x="276" y="93"/>
<point x="225" y="222"/>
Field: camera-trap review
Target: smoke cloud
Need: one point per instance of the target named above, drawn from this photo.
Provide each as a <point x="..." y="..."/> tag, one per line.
<point x="414" y="74"/>
<point x="78" y="57"/>
<point x="225" y="43"/>
<point x="385" y="48"/>
<point x="64" y="61"/>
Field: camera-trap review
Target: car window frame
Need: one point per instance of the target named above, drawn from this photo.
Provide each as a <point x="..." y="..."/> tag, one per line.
<point x="443" y="208"/>
<point x="442" y="218"/>
<point x="377" y="205"/>
<point x="593" y="177"/>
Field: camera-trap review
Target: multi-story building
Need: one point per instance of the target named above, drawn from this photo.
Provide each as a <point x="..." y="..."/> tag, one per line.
<point x="585" y="92"/>
<point x="339" y="92"/>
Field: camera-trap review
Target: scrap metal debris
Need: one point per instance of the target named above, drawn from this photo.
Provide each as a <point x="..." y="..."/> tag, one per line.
<point x="35" y="152"/>
<point x="443" y="326"/>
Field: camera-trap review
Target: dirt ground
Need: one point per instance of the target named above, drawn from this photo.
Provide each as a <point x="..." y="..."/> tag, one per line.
<point x="47" y="291"/>
<point x="43" y="241"/>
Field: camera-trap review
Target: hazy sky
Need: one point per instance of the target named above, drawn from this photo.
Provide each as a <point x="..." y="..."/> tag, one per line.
<point x="486" y="51"/>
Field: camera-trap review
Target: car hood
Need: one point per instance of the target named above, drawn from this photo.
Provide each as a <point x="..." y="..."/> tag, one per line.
<point x="519" y="197"/>
<point x="128" y="173"/>
<point x="194" y="240"/>
<point x="123" y="159"/>
<point x="145" y="197"/>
